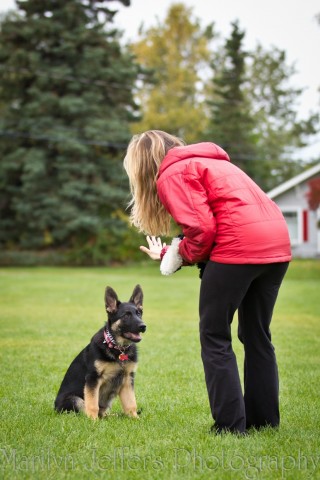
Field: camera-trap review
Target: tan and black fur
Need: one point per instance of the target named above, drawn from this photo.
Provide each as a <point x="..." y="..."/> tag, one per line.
<point x="97" y="375"/>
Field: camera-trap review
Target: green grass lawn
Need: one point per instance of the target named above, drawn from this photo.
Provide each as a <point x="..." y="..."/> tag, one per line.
<point x="49" y="314"/>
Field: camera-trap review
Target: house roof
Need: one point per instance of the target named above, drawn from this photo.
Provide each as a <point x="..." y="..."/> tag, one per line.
<point x="285" y="186"/>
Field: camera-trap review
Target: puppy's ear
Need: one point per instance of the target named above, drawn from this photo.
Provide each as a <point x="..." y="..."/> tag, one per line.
<point x="137" y="296"/>
<point x="111" y="300"/>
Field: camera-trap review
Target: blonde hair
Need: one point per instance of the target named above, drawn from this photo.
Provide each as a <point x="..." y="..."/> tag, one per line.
<point x="142" y="162"/>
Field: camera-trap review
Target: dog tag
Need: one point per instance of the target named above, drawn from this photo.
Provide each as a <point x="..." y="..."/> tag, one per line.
<point x="123" y="356"/>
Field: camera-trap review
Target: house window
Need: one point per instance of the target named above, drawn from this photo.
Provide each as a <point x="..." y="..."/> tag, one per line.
<point x="293" y="218"/>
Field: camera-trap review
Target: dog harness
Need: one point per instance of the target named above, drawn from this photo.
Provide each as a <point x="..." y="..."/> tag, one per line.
<point x="110" y="341"/>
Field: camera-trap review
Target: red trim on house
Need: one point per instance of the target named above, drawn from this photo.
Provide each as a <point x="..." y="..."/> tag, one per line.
<point x="305" y="225"/>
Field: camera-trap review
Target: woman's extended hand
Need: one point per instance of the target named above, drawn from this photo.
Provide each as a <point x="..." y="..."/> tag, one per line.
<point x="155" y="247"/>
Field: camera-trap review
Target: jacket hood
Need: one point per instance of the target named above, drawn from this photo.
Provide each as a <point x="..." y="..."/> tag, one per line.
<point x="197" y="150"/>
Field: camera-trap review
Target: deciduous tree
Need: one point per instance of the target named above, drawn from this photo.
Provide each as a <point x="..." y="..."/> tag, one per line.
<point x="313" y="194"/>
<point x="274" y="102"/>
<point x="177" y="53"/>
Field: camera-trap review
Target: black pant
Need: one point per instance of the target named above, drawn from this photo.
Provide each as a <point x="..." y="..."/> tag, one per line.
<point x="253" y="290"/>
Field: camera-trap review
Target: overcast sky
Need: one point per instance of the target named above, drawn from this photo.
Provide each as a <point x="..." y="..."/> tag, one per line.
<point x="286" y="24"/>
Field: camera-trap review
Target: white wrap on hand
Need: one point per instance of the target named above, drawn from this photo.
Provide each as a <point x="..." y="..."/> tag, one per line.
<point x="172" y="260"/>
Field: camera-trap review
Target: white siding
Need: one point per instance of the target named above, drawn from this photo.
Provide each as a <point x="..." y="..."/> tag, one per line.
<point x="295" y="200"/>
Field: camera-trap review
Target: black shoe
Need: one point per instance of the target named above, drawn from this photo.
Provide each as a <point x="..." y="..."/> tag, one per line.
<point x="259" y="428"/>
<point x="221" y="431"/>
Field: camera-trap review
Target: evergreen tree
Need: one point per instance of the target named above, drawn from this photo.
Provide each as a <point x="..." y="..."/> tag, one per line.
<point x="254" y="111"/>
<point x="231" y="124"/>
<point x="66" y="103"/>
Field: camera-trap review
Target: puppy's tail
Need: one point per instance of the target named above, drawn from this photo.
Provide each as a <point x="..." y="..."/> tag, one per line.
<point x="70" y="403"/>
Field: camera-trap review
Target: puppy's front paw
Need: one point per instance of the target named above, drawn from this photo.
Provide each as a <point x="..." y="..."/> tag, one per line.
<point x="133" y="414"/>
<point x="92" y="413"/>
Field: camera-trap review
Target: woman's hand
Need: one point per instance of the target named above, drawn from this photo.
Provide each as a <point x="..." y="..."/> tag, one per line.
<point x="155" y="247"/>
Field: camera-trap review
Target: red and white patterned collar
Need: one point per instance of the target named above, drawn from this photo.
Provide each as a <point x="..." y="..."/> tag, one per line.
<point x="110" y="341"/>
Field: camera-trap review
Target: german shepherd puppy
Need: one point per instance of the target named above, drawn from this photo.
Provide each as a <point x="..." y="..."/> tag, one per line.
<point x="106" y="367"/>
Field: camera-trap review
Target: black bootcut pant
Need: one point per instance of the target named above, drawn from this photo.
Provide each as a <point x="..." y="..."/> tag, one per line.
<point x="252" y="290"/>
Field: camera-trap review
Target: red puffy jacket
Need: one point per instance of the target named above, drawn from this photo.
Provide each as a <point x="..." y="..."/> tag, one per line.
<point x="224" y="215"/>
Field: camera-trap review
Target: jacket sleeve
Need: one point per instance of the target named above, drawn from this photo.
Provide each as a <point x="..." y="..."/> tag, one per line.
<point x="185" y="198"/>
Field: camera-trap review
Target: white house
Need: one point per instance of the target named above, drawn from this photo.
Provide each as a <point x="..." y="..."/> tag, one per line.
<point x="303" y="225"/>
